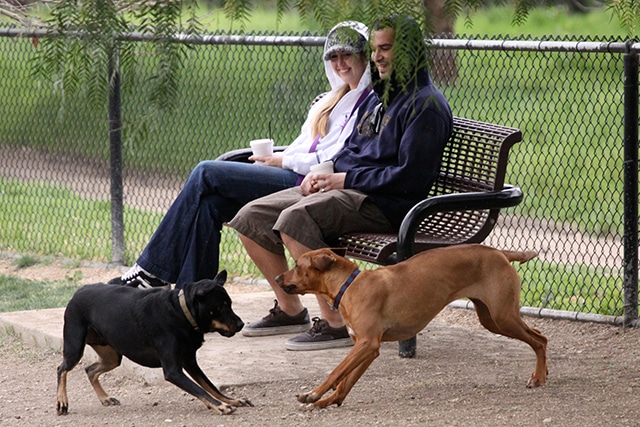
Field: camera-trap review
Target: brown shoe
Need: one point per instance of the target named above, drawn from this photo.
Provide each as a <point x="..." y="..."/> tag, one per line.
<point x="320" y="337"/>
<point x="277" y="322"/>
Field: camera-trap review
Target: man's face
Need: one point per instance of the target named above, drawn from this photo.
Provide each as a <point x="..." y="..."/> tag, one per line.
<point x="382" y="51"/>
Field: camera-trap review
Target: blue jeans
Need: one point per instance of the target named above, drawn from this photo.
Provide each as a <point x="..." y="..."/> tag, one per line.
<point x="186" y="246"/>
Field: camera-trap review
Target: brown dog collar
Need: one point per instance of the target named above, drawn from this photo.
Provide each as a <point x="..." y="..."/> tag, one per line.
<point x="343" y="289"/>
<point x="185" y="310"/>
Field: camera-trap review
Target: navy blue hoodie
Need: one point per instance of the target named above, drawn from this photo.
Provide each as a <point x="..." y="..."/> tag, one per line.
<point x="394" y="152"/>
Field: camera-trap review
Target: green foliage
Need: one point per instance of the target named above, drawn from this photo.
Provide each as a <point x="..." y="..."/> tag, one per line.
<point x="91" y="45"/>
<point x="328" y="12"/>
<point x="163" y="20"/>
<point x="238" y="11"/>
<point x="521" y="90"/>
<point x="79" y="61"/>
<point x="628" y="12"/>
<point x="522" y="11"/>
<point x="212" y="115"/>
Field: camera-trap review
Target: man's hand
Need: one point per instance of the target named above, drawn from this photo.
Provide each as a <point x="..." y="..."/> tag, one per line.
<point x="322" y="182"/>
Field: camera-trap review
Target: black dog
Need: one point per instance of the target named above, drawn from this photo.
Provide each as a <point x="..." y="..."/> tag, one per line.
<point x="154" y="328"/>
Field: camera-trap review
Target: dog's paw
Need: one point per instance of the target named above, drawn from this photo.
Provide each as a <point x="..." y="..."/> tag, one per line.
<point x="307" y="407"/>
<point x="110" y="401"/>
<point x="534" y="382"/>
<point x="241" y="402"/>
<point x="306" y="398"/>
<point x="224" y="409"/>
<point x="62" y="408"/>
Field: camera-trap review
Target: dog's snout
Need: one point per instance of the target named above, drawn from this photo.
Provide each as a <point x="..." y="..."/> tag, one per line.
<point x="287" y="287"/>
<point x="235" y="323"/>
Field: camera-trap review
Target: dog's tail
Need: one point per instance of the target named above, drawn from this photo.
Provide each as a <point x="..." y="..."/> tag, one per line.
<point x="520" y="256"/>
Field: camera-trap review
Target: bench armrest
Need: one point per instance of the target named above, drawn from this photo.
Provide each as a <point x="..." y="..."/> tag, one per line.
<point x="509" y="196"/>
<point x="243" y="154"/>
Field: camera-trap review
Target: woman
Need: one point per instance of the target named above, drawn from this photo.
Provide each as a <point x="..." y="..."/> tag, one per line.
<point x="185" y="247"/>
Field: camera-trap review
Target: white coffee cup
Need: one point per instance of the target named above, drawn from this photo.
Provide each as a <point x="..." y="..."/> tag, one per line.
<point x="262" y="147"/>
<point x="322" y="168"/>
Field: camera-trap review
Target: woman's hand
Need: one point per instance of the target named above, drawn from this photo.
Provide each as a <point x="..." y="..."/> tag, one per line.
<point x="274" y="160"/>
<point x="322" y="182"/>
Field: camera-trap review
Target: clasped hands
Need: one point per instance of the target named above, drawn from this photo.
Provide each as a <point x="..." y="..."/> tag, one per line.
<point x="322" y="182"/>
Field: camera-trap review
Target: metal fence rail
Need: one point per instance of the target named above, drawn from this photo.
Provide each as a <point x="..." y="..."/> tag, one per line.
<point x="573" y="99"/>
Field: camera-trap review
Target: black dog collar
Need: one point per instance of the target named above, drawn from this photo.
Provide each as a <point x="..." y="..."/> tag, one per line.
<point x="336" y="301"/>
<point x="185" y="310"/>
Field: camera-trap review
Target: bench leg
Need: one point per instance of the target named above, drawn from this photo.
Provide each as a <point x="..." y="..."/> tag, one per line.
<point x="407" y="348"/>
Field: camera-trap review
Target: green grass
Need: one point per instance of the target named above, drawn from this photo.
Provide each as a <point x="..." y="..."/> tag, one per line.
<point x="26" y="261"/>
<point x="571" y="287"/>
<point x="262" y="19"/>
<point x="570" y="113"/>
<point x="75" y="228"/>
<point x="541" y="22"/>
<point x="20" y="294"/>
<point x="52" y="220"/>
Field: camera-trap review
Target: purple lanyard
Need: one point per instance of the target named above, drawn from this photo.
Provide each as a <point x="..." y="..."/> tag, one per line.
<point x="360" y="100"/>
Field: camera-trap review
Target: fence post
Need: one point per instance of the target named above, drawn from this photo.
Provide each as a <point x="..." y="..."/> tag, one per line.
<point x="115" y="155"/>
<point x="630" y="188"/>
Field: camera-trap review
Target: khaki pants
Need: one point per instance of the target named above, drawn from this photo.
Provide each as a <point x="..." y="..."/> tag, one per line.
<point x="315" y="221"/>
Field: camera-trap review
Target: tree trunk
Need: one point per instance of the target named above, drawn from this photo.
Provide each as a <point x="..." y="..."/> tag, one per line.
<point x="444" y="69"/>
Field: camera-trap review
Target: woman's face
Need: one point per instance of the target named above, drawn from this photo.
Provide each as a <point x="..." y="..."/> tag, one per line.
<point x="349" y="67"/>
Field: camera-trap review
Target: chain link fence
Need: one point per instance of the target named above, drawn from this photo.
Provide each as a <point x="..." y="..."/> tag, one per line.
<point x="567" y="96"/>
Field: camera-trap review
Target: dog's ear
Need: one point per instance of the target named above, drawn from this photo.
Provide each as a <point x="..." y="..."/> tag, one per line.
<point x="323" y="262"/>
<point x="339" y="251"/>
<point x="221" y="277"/>
<point x="205" y="286"/>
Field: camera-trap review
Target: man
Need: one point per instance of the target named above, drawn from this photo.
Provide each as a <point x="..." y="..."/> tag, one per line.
<point x="387" y="165"/>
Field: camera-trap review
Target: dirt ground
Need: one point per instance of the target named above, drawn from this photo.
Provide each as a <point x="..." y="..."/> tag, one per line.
<point x="463" y="377"/>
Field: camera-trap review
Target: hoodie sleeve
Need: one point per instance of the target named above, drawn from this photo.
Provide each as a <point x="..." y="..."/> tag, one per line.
<point x="296" y="156"/>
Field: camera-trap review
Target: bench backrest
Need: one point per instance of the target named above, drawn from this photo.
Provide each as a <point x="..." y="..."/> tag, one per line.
<point x="474" y="160"/>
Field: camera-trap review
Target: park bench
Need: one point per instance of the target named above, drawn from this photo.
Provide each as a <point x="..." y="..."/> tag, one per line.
<point x="462" y="207"/>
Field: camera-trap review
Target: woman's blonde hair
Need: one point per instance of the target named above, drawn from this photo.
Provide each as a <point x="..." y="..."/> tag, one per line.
<point x="320" y="120"/>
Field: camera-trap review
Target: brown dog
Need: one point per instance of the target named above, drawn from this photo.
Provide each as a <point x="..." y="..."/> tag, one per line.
<point x="395" y="303"/>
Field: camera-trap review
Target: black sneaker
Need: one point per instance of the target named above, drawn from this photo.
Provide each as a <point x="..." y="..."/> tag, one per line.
<point x="320" y="337"/>
<point x="136" y="277"/>
<point x="277" y="322"/>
